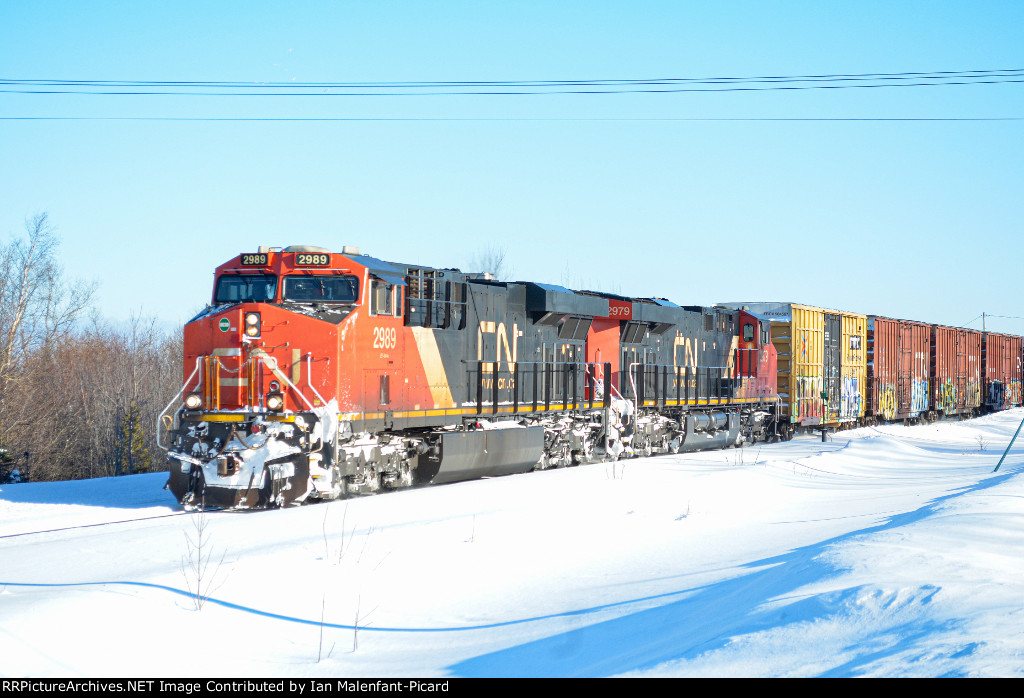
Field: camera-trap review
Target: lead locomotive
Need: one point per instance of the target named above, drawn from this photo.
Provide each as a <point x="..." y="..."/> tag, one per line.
<point x="315" y="374"/>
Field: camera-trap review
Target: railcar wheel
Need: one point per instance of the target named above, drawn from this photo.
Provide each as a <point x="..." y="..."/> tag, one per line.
<point x="564" y="456"/>
<point x="405" y="477"/>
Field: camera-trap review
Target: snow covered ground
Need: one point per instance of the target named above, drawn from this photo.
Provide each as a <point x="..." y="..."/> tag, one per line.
<point x="890" y="551"/>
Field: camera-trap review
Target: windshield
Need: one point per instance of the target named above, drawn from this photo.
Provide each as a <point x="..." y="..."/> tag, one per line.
<point x="247" y="288"/>
<point x="321" y="289"/>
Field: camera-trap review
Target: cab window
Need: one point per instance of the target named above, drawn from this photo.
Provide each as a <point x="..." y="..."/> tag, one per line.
<point x="748" y="332"/>
<point x="245" y="288"/>
<point x="321" y="288"/>
<point x="382" y="295"/>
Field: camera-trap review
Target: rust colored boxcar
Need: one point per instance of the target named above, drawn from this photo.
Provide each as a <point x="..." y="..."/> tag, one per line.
<point x="1001" y="360"/>
<point x="899" y="357"/>
<point x="956" y="370"/>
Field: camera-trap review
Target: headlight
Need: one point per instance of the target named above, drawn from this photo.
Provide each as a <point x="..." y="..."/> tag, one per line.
<point x="275" y="402"/>
<point x="252" y="324"/>
<point x="193" y="401"/>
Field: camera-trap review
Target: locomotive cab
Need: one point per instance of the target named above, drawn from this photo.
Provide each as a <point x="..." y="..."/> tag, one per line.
<point x="753" y="335"/>
<point x="252" y="429"/>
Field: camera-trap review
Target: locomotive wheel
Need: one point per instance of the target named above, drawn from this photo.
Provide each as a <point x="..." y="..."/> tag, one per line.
<point x="371" y="482"/>
<point x="269" y="492"/>
<point x="563" y="457"/>
<point x="405" y="478"/>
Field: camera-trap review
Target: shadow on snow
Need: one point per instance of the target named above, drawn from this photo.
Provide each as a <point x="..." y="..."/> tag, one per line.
<point x="710" y="617"/>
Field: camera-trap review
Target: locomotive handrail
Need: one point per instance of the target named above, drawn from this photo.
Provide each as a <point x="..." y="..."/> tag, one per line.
<point x="639" y="396"/>
<point x="269" y="361"/>
<point x="568" y="397"/>
<point x="159" y="417"/>
<point x="309" y="377"/>
<point x="278" y="373"/>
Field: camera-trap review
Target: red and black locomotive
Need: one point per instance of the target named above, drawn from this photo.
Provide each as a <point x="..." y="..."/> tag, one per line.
<point x="314" y="374"/>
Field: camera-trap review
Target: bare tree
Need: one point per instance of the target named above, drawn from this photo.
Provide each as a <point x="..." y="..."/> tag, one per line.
<point x="38" y="311"/>
<point x="494" y="260"/>
<point x="81" y="398"/>
<point x="195" y="564"/>
<point x="36" y="305"/>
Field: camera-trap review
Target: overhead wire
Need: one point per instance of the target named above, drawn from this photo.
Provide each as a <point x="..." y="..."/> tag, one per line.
<point x="500" y="119"/>
<point x="194" y="88"/>
<point x="510" y="87"/>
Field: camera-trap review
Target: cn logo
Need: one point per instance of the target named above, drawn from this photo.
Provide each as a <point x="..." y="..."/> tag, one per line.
<point x="501" y="343"/>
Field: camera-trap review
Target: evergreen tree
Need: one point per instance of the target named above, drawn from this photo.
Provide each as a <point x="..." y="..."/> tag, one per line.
<point x="132" y="454"/>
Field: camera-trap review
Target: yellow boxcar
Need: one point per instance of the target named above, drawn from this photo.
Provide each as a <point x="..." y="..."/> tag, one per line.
<point x="822" y="358"/>
<point x="854" y="367"/>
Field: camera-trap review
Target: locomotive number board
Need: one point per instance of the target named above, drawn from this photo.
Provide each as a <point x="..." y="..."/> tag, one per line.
<point x="255" y="259"/>
<point x="309" y="259"/>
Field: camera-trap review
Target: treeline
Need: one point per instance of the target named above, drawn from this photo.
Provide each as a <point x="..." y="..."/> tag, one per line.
<point x="79" y="397"/>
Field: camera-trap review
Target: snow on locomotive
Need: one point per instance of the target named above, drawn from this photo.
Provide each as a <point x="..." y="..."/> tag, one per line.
<point x="316" y="374"/>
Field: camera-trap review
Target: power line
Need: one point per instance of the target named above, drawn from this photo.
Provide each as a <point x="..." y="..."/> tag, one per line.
<point x="1006" y="72"/>
<point x="509" y="119"/>
<point x="513" y="87"/>
<point x="984" y="316"/>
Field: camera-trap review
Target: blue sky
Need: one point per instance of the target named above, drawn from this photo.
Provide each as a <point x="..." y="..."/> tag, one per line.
<point x="633" y="193"/>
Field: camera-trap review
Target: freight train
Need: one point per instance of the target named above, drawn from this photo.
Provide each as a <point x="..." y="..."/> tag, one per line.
<point x="316" y="374"/>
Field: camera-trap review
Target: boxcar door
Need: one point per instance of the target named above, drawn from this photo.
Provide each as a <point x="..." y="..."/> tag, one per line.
<point x="833" y="367"/>
<point x="905" y="370"/>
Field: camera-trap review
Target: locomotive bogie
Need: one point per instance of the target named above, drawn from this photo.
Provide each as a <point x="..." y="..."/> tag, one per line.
<point x="224" y="464"/>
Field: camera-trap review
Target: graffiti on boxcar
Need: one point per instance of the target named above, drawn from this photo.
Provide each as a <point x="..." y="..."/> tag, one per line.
<point x="996" y="394"/>
<point x="947" y="397"/>
<point x="972" y="394"/>
<point x="808" y="398"/>
<point x="918" y="397"/>
<point x="1013" y="392"/>
<point x="887" y="402"/>
<point x="851" y="399"/>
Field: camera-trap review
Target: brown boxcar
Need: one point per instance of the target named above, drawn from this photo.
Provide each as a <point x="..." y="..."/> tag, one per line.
<point x="956" y="370"/>
<point x="899" y="356"/>
<point x="1001" y="361"/>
